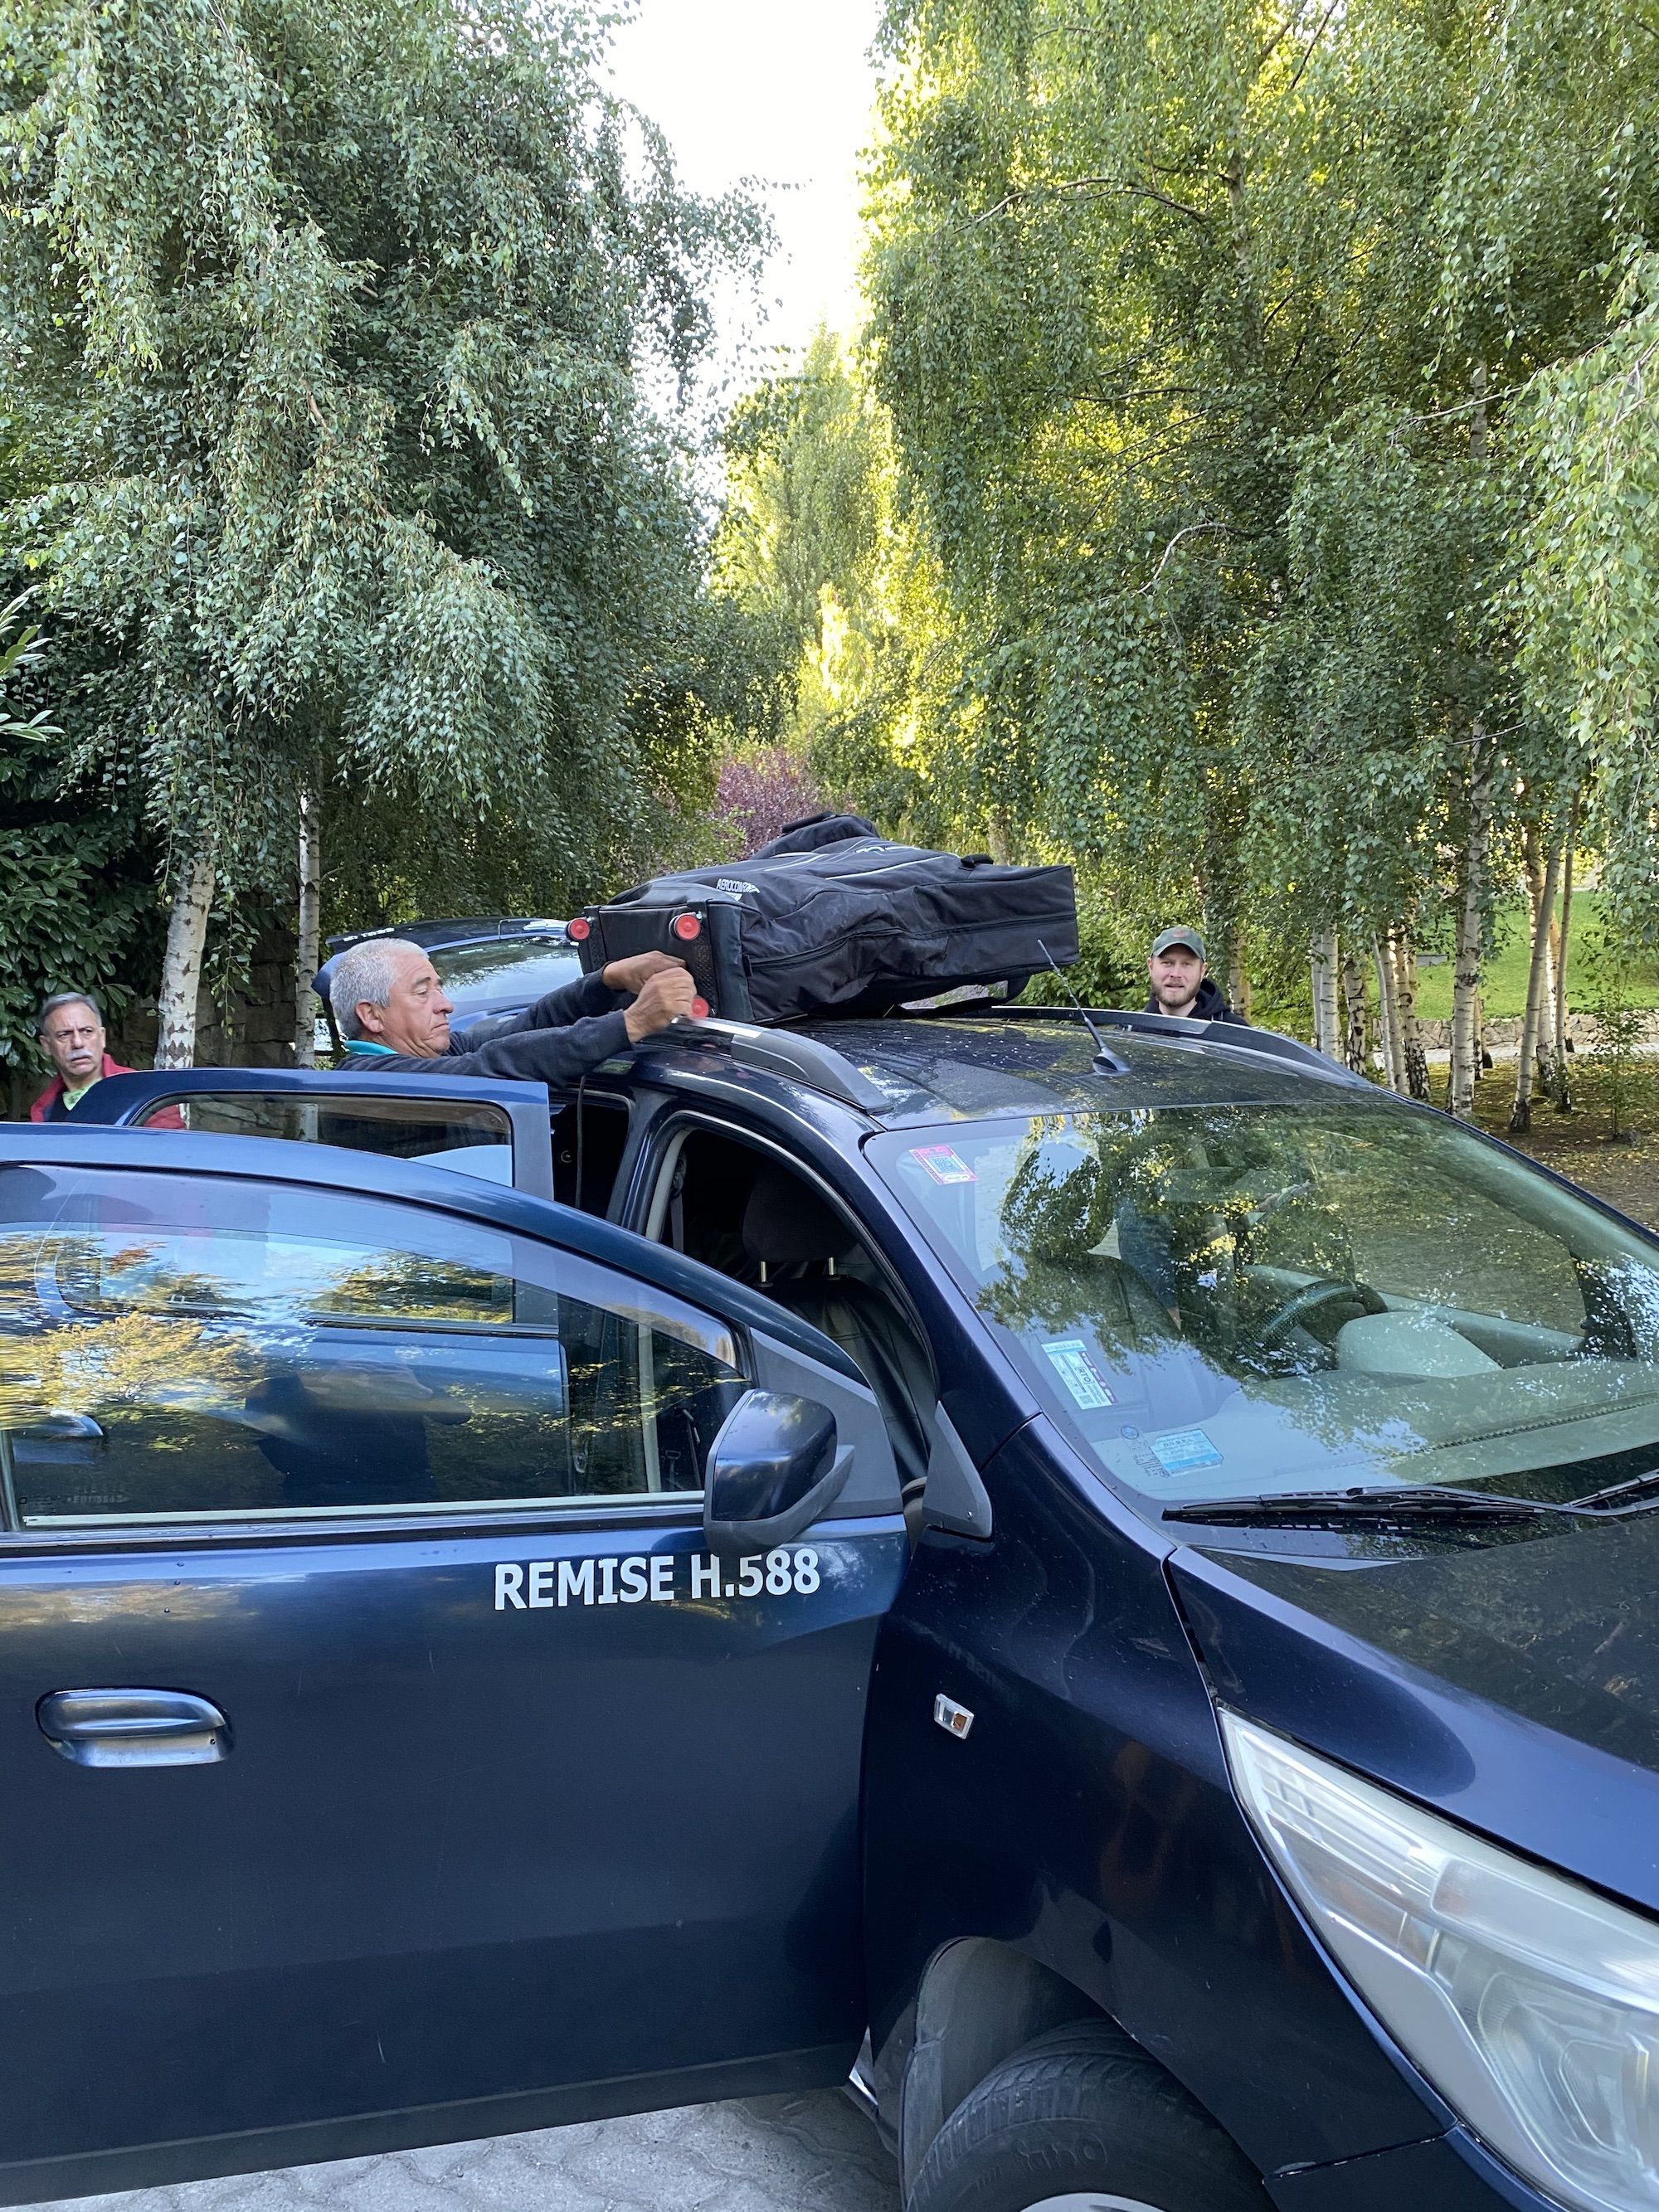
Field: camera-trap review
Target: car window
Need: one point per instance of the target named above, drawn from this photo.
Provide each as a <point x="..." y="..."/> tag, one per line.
<point x="528" y="965"/>
<point x="474" y="1139"/>
<point x="186" y="1348"/>
<point x="1222" y="1299"/>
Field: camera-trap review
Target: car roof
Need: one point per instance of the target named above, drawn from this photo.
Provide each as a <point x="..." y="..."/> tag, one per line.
<point x="960" y="1067"/>
<point x="467" y="929"/>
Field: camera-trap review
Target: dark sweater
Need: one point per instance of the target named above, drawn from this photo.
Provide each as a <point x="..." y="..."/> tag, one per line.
<point x="563" y="1035"/>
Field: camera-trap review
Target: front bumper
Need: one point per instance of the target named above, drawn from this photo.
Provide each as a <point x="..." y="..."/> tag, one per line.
<point x="1451" y="2172"/>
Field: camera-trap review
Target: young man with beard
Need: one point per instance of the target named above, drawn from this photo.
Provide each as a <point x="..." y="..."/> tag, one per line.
<point x="1181" y="981"/>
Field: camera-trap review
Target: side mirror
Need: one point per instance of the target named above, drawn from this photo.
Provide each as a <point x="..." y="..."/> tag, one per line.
<point x="772" y="1470"/>
<point x="64" y="1438"/>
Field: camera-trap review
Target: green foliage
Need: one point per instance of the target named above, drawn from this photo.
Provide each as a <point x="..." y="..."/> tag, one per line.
<point x="1618" y="1026"/>
<point x="1587" y="591"/>
<point x="1110" y="969"/>
<point x="1261" y="438"/>
<point x="325" y="330"/>
<point x="76" y="891"/>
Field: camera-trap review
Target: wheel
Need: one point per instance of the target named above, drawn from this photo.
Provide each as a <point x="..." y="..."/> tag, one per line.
<point x="1324" y="1290"/>
<point x="1082" y="2120"/>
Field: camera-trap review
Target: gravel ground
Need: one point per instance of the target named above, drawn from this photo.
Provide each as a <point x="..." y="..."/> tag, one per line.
<point x="814" y="2154"/>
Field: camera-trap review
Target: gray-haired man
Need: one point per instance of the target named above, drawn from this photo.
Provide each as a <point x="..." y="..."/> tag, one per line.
<point x="390" y="1009"/>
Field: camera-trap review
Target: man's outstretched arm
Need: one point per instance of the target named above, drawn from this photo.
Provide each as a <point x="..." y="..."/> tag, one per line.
<point x="566" y="1035"/>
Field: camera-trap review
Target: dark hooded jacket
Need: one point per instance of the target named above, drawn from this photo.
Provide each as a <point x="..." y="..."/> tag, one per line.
<point x="563" y="1037"/>
<point x="1208" y="1006"/>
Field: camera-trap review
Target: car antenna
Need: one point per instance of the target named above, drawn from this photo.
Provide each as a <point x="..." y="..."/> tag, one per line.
<point x="1103" y="1052"/>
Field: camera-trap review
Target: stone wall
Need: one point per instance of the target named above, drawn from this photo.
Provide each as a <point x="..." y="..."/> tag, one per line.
<point x="1504" y="1035"/>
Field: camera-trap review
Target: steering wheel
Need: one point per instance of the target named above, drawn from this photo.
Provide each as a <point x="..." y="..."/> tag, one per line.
<point x="1324" y="1290"/>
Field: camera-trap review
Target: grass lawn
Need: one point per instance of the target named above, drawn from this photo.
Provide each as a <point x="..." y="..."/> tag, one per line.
<point x="1504" y="986"/>
<point x="1625" y="1173"/>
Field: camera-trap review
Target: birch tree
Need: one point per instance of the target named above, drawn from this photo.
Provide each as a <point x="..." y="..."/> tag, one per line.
<point x="324" y="328"/>
<point x="1262" y="401"/>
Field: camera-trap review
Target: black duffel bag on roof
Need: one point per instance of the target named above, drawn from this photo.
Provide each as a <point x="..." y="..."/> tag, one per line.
<point x="832" y="919"/>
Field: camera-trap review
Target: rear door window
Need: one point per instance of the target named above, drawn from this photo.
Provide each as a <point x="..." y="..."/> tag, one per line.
<point x="474" y="1139"/>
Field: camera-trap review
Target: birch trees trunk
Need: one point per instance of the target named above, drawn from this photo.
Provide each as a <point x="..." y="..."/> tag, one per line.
<point x="1322" y="967"/>
<point x="1465" y="1042"/>
<point x="1388" y="1007"/>
<point x="181" y="963"/>
<point x="1238" y="981"/>
<point x="1563" y="1083"/>
<point x="1538" y="992"/>
<point x="1411" y="1035"/>
<point x="1356" y="1046"/>
<point x="305" y="998"/>
<point x="1537" y="870"/>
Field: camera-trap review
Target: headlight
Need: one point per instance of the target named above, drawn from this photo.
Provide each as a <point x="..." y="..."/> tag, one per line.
<point x="1532" y="2005"/>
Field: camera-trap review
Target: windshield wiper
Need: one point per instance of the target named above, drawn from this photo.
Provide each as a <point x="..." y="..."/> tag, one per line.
<point x="1618" y="1495"/>
<point x="1321" y="1508"/>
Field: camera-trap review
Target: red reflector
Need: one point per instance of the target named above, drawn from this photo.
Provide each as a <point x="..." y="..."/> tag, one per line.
<point x="686" y="927"/>
<point x="582" y="929"/>
<point x="700" y="1009"/>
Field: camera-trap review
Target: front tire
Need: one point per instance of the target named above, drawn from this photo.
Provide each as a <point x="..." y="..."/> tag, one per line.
<point x="1083" y="2120"/>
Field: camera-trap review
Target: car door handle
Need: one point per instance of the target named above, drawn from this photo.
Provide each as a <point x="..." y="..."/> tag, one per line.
<point x="133" y="1728"/>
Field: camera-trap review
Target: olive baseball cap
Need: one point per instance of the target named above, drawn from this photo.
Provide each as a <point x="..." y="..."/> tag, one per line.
<point x="1167" y="939"/>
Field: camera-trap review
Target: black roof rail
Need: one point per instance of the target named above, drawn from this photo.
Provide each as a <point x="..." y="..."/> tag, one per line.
<point x="1235" y="1036"/>
<point x="820" y="1068"/>
<point x="786" y="1052"/>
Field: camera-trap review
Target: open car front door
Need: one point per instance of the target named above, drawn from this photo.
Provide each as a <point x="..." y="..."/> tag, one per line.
<point x="399" y="1741"/>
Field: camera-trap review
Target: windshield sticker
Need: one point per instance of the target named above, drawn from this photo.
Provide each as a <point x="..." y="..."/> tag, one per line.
<point x="1183" y="1449"/>
<point x="943" y="1164"/>
<point x="1075" y="1369"/>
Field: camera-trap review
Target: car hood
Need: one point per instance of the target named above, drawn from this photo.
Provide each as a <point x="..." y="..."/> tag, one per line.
<point x="1514" y="1685"/>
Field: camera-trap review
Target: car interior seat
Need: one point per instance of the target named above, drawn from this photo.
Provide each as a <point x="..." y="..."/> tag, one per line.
<point x="797" y="1242"/>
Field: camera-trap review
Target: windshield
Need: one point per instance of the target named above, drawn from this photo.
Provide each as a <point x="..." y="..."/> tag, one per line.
<point x="1230" y="1301"/>
<point x="530" y="965"/>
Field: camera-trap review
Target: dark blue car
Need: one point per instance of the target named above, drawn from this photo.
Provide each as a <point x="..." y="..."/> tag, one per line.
<point x="1125" y="1568"/>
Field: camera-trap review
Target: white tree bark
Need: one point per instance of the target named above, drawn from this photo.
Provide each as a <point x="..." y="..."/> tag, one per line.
<point x="1564" y="944"/>
<point x="1356" y="1045"/>
<point x="1388" y="1007"/>
<point x="1411" y="1036"/>
<point x="1466" y="1045"/>
<point x="1538" y="992"/>
<point x="305" y="998"/>
<point x="1537" y="868"/>
<point x="1238" y="979"/>
<point x="181" y="963"/>
<point x="1322" y="962"/>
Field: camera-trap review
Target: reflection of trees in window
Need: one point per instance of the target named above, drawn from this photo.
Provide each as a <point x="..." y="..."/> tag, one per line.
<point x="506" y="1451"/>
<point x="690" y="1395"/>
<point x="607" y="1429"/>
<point x="93" y="1367"/>
<point x="289" y="1275"/>
<point x="413" y="1286"/>
<point x="1055" y="1213"/>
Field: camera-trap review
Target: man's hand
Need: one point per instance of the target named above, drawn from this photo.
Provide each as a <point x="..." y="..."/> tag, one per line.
<point x="666" y="994"/>
<point x="634" y="974"/>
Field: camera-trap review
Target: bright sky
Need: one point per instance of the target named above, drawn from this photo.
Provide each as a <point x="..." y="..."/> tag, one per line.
<point x="781" y="92"/>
